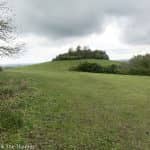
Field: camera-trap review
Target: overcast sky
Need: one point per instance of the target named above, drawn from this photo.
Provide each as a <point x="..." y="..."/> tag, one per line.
<point x="50" y="27"/>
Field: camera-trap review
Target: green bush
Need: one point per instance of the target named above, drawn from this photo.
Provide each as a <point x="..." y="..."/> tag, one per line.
<point x="89" y="67"/>
<point x="96" y="68"/>
<point x="111" y="69"/>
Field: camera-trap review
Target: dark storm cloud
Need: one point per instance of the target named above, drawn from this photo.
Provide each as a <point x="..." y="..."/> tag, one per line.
<point x="66" y="18"/>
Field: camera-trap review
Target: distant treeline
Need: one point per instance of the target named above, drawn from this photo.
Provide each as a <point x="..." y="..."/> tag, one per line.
<point x="138" y="65"/>
<point x="82" y="53"/>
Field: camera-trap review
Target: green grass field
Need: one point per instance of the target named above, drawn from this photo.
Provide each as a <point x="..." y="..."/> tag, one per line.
<point x="52" y="108"/>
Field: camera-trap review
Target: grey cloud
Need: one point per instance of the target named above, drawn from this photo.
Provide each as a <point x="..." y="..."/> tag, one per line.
<point x="66" y="18"/>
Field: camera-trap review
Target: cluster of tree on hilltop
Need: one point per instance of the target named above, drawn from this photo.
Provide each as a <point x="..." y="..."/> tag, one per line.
<point x="82" y="53"/>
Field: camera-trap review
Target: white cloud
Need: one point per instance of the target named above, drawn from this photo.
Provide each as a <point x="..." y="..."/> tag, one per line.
<point x="41" y="49"/>
<point x="49" y="28"/>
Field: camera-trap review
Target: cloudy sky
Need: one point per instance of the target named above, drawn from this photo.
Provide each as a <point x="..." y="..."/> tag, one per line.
<point x="50" y="27"/>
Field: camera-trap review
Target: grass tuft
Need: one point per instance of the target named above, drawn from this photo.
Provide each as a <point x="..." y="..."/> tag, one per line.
<point x="10" y="120"/>
<point x="10" y="89"/>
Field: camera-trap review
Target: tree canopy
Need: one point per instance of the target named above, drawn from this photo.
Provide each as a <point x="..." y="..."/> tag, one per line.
<point x="82" y="53"/>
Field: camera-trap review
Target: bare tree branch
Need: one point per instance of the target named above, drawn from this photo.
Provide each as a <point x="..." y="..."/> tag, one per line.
<point x="7" y="32"/>
<point x="9" y="51"/>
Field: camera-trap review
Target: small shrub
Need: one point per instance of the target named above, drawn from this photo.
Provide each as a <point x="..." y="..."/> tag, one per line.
<point x="111" y="69"/>
<point x="123" y="68"/>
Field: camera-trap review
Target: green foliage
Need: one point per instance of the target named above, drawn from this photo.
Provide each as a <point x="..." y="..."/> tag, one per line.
<point x="89" y="67"/>
<point x="96" y="68"/>
<point x="84" y="53"/>
<point x="138" y="65"/>
<point x="112" y="69"/>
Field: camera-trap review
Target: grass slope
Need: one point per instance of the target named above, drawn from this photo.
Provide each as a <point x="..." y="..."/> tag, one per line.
<point x="71" y="110"/>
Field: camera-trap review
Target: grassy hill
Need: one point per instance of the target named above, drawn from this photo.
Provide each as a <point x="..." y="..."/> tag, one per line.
<point x="52" y="108"/>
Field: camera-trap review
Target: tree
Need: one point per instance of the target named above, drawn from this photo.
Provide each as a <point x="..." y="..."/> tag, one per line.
<point x="70" y="50"/>
<point x="78" y="48"/>
<point x="82" y="53"/>
<point x="85" y="48"/>
<point x="8" y="44"/>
